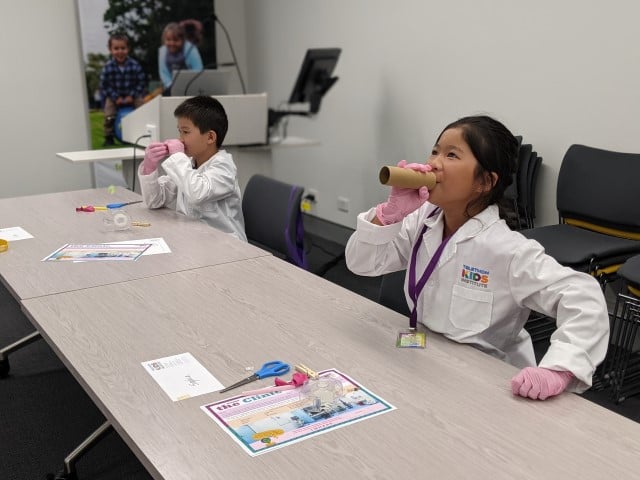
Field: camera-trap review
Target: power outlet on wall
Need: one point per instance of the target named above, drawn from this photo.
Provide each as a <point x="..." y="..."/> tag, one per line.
<point x="152" y="130"/>
<point x="309" y="199"/>
<point x="312" y="194"/>
<point x="343" y="204"/>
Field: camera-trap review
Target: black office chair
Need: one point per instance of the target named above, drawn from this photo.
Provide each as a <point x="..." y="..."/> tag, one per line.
<point x="599" y="218"/>
<point x="532" y="182"/>
<point x="630" y="274"/>
<point x="521" y="180"/>
<point x="521" y="193"/>
<point x="391" y="293"/>
<point x="597" y="200"/>
<point x="620" y="370"/>
<point x="272" y="218"/>
<point x="527" y="179"/>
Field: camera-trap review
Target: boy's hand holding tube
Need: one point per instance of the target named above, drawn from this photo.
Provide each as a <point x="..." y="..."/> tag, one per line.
<point x="153" y="155"/>
<point x="174" y="145"/>
<point x="540" y="383"/>
<point x="403" y="201"/>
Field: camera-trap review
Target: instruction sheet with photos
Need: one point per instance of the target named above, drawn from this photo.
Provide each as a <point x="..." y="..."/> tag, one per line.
<point x="264" y="422"/>
<point x="182" y="376"/>
<point x="96" y="252"/>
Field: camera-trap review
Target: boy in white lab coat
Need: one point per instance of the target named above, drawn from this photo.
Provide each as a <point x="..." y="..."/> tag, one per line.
<point x="473" y="279"/>
<point x="200" y="179"/>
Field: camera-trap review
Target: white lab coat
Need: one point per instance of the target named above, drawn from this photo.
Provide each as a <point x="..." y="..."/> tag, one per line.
<point x="489" y="313"/>
<point x="210" y="192"/>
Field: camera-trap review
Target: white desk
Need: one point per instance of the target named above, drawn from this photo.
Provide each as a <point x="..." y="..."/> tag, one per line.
<point x="106" y="158"/>
<point x="89" y="156"/>
<point x="286" y="142"/>
<point x="250" y="160"/>
<point x="257" y="159"/>
<point x="456" y="417"/>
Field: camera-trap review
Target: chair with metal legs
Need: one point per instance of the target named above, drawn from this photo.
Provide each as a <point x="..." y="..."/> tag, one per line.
<point x="621" y="367"/>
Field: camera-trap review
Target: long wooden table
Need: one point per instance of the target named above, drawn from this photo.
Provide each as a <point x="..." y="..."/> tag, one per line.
<point x="456" y="417"/>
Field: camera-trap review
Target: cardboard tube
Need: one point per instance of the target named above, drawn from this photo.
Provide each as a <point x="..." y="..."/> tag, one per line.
<point x="406" y="178"/>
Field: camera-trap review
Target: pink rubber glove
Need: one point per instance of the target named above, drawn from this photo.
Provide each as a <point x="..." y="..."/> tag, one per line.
<point x="540" y="383"/>
<point x="403" y="201"/>
<point x="153" y="155"/>
<point x="174" y="145"/>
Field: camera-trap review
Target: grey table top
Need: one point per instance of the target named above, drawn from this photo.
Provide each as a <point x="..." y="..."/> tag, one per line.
<point x="53" y="221"/>
<point x="456" y="417"/>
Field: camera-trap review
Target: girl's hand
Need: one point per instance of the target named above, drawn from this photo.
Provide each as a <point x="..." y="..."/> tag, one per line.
<point x="403" y="201"/>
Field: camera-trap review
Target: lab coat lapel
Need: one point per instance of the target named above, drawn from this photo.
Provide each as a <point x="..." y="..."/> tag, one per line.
<point x="433" y="236"/>
<point x="470" y="229"/>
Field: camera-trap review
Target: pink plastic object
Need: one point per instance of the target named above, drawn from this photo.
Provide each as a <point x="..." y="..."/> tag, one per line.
<point x="297" y="380"/>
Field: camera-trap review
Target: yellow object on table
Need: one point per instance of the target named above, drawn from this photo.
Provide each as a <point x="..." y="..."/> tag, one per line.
<point x="4" y="245"/>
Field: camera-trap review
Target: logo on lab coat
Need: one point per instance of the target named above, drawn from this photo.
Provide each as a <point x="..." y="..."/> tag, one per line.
<point x="475" y="276"/>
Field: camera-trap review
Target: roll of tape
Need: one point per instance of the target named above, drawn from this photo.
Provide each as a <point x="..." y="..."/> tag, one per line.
<point x="4" y="245"/>
<point x="116" y="219"/>
<point x="121" y="220"/>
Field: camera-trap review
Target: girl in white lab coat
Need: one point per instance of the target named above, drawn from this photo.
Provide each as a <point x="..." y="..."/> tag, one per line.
<point x="200" y="178"/>
<point x="473" y="279"/>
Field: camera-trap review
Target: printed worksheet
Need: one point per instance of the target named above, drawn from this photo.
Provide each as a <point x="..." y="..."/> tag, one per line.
<point x="265" y="422"/>
<point x="182" y="376"/>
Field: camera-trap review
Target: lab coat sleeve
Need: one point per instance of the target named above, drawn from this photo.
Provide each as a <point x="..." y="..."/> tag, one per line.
<point x="375" y="250"/>
<point x="575" y="300"/>
<point x="157" y="190"/>
<point x="213" y="182"/>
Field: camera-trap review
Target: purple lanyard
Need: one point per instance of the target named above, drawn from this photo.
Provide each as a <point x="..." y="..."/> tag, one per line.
<point x="415" y="290"/>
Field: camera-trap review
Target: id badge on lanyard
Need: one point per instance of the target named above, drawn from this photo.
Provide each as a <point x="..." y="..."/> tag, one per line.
<point x="412" y="338"/>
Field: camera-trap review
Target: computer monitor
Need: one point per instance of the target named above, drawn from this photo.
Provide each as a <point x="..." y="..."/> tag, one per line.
<point x="200" y="82"/>
<point x="314" y="78"/>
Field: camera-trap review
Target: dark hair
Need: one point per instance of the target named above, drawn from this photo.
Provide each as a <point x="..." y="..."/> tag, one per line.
<point x="118" y="36"/>
<point x="206" y="113"/>
<point x="495" y="148"/>
<point x="192" y="30"/>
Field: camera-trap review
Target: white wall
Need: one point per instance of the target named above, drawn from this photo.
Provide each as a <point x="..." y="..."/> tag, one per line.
<point x="231" y="14"/>
<point x="555" y="72"/>
<point x="42" y="97"/>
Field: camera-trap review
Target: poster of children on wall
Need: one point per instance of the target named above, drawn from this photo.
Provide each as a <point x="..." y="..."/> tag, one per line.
<point x="264" y="422"/>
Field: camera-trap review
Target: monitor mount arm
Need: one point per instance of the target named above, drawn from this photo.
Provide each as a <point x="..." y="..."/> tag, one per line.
<point x="322" y="84"/>
<point x="276" y="115"/>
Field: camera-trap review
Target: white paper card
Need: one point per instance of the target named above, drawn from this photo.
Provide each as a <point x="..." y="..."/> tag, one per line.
<point x="12" y="234"/>
<point x="158" y="245"/>
<point x="182" y="376"/>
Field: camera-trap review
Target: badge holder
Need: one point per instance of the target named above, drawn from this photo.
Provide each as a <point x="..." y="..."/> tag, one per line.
<point x="411" y="338"/>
